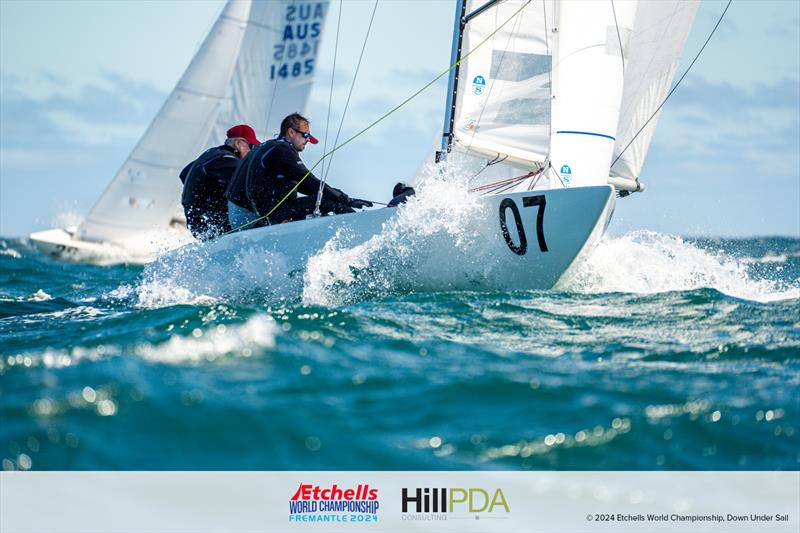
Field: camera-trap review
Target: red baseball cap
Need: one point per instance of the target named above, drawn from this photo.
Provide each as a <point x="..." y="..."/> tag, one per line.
<point x="245" y="132"/>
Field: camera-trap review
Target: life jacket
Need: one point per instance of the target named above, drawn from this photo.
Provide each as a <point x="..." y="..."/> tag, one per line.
<point x="206" y="178"/>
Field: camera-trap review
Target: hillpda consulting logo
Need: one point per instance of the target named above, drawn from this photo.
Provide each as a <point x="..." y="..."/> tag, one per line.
<point x="312" y="503"/>
<point x="439" y="503"/>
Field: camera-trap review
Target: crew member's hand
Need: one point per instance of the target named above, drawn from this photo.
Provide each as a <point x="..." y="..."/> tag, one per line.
<point x="355" y="203"/>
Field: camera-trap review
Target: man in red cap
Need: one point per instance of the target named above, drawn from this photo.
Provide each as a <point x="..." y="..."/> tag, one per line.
<point x="205" y="180"/>
<point x="273" y="174"/>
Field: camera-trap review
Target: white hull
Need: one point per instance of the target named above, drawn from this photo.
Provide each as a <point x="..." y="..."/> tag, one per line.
<point x="545" y="232"/>
<point x="61" y="244"/>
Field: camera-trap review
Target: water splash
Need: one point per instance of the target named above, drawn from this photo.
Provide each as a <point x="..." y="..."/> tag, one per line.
<point x="646" y="262"/>
<point x="434" y="243"/>
<point x="239" y="274"/>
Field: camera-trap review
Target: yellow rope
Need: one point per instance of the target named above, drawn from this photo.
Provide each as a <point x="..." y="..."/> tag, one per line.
<point x="383" y="117"/>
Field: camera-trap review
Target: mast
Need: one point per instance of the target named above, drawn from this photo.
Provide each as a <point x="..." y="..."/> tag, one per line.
<point x="452" y="82"/>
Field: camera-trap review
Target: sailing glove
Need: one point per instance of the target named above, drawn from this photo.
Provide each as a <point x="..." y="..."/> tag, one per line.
<point x="355" y="203"/>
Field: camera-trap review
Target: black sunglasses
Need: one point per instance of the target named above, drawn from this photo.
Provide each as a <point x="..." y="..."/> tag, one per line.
<point x="305" y="134"/>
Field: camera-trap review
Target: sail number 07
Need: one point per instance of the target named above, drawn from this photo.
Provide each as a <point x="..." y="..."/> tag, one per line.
<point x="528" y="201"/>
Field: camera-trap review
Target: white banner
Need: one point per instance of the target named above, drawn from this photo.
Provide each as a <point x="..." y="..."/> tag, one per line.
<point x="399" y="501"/>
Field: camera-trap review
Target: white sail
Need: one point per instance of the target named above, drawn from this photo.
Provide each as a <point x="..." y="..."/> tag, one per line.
<point x="571" y="81"/>
<point x="503" y="102"/>
<point x="656" y="43"/>
<point x="255" y="66"/>
<point x="588" y="77"/>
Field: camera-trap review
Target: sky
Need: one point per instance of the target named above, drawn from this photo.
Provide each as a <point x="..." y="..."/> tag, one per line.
<point x="80" y="82"/>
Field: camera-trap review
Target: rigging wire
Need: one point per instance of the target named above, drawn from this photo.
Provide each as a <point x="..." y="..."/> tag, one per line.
<point x="676" y="85"/>
<point x="619" y="37"/>
<point x="379" y="120"/>
<point x="352" y="85"/>
<point x="330" y="94"/>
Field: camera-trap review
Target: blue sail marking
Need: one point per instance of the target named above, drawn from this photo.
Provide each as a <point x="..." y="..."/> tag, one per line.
<point x="589" y="133"/>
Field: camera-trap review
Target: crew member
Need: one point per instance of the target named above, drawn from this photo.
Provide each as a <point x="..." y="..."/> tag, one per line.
<point x="267" y="178"/>
<point x="206" y="179"/>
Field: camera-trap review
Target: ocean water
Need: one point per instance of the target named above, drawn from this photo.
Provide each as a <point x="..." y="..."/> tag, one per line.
<point x="658" y="352"/>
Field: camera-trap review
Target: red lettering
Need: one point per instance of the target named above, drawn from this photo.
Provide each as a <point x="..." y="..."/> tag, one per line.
<point x="303" y="492"/>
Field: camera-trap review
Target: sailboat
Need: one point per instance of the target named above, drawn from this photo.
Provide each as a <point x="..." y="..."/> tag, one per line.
<point x="258" y="60"/>
<point x="562" y="96"/>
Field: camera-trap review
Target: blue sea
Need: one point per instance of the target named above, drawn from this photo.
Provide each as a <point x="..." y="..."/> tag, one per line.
<point x="658" y="353"/>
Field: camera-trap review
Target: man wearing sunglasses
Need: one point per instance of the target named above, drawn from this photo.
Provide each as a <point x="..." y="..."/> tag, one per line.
<point x="273" y="174"/>
<point x="206" y="179"/>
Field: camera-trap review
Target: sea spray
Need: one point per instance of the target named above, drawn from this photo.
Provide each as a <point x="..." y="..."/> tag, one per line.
<point x="645" y="262"/>
<point x="433" y="243"/>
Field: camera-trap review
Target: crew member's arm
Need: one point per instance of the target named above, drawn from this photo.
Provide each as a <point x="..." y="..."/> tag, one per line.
<point x="185" y="172"/>
<point x="296" y="171"/>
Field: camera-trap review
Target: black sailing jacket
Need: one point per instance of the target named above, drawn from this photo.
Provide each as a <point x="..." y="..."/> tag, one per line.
<point x="268" y="173"/>
<point x="206" y="179"/>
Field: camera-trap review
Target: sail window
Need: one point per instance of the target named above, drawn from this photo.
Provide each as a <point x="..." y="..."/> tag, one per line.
<point x="516" y="66"/>
<point x="532" y="111"/>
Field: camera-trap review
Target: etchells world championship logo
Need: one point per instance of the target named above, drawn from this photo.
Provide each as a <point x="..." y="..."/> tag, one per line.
<point x="313" y="503"/>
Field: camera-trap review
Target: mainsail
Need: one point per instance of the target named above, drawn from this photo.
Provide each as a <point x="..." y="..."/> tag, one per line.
<point x="573" y="79"/>
<point x="255" y="66"/>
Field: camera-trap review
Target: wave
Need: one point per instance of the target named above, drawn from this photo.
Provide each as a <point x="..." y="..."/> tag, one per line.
<point x="646" y="262"/>
<point x="248" y="339"/>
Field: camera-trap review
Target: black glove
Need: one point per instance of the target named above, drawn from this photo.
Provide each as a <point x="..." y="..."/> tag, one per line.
<point x="336" y="195"/>
<point x="355" y="203"/>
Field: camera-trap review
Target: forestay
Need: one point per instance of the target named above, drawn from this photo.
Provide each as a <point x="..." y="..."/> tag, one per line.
<point x="256" y="65"/>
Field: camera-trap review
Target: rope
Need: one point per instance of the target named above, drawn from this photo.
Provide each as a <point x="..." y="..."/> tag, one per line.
<point x="382" y="118"/>
<point x="676" y="85"/>
<point x="498" y="184"/>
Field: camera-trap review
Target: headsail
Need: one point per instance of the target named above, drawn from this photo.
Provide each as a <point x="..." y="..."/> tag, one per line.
<point x="255" y="65"/>
<point x="658" y="38"/>
<point x="503" y="103"/>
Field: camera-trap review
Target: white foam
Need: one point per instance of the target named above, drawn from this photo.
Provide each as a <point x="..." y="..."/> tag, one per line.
<point x="39" y="296"/>
<point x="434" y="242"/>
<point x="191" y="277"/>
<point x="647" y="262"/>
<point x="10" y="252"/>
<point x="208" y="344"/>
